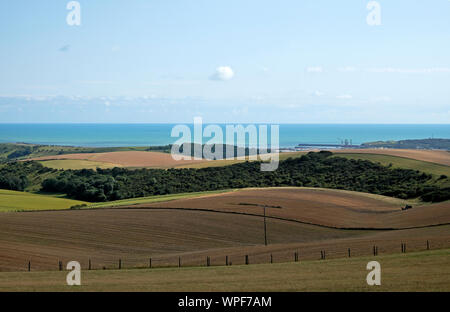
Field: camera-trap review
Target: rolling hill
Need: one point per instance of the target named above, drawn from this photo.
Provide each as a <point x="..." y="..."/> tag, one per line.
<point x="219" y="226"/>
<point x="326" y="207"/>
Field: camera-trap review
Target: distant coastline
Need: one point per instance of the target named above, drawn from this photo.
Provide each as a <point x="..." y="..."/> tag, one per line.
<point x="291" y="135"/>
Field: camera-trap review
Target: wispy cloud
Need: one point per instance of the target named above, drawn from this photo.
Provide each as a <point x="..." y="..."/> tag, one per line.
<point x="381" y="99"/>
<point x="344" y="97"/>
<point x="409" y="70"/>
<point x="314" y="69"/>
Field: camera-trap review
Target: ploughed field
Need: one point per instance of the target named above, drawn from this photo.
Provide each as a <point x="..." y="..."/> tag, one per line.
<point x="134" y="235"/>
<point x="231" y="225"/>
<point x="326" y="207"/>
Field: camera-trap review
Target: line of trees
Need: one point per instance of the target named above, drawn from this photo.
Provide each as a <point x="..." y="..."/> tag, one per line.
<point x="311" y="170"/>
<point x="16" y="175"/>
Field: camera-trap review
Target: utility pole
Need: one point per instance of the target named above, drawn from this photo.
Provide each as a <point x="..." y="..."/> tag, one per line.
<point x="265" y="226"/>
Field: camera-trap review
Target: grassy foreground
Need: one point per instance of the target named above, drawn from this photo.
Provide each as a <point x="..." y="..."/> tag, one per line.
<point x="11" y="201"/>
<point x="420" y="271"/>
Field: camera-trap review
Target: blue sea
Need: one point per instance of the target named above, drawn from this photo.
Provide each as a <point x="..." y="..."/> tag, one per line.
<point x="108" y="135"/>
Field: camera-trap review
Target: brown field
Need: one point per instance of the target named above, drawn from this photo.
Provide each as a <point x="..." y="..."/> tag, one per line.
<point x="107" y="235"/>
<point x="140" y="159"/>
<point x="434" y="156"/>
<point x="134" y="235"/>
<point x="332" y="208"/>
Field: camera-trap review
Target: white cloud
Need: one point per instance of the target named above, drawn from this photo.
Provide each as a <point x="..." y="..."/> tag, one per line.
<point x="314" y="69"/>
<point x="223" y="73"/>
<point x="344" y="97"/>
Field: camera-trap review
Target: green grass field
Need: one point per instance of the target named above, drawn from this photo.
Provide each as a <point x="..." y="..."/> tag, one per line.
<point x="385" y="160"/>
<point x="400" y="162"/>
<point x="153" y="199"/>
<point x="418" y="271"/>
<point x="11" y="201"/>
<point x="36" y="150"/>
<point x="76" y="164"/>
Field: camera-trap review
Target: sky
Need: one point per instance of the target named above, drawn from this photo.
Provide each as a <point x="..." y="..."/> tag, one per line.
<point x="167" y="61"/>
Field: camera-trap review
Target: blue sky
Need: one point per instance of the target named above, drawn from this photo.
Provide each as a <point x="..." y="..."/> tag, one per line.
<point x="280" y="61"/>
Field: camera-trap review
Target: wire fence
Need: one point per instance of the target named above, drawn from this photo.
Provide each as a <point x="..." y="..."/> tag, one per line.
<point x="269" y="254"/>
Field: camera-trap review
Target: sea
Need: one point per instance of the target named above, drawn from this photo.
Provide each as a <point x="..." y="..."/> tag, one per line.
<point x="290" y="135"/>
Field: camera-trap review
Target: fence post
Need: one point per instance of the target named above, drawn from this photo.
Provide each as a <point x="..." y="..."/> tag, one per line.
<point x="120" y="264"/>
<point x="428" y="245"/>
<point x="226" y="260"/>
<point x="60" y="265"/>
<point x="29" y="266"/>
<point x="150" y="263"/>
<point x="89" y="267"/>
<point x="349" y="253"/>
<point x="246" y="259"/>
<point x="207" y="261"/>
<point x="179" y="262"/>
<point x="271" y="258"/>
